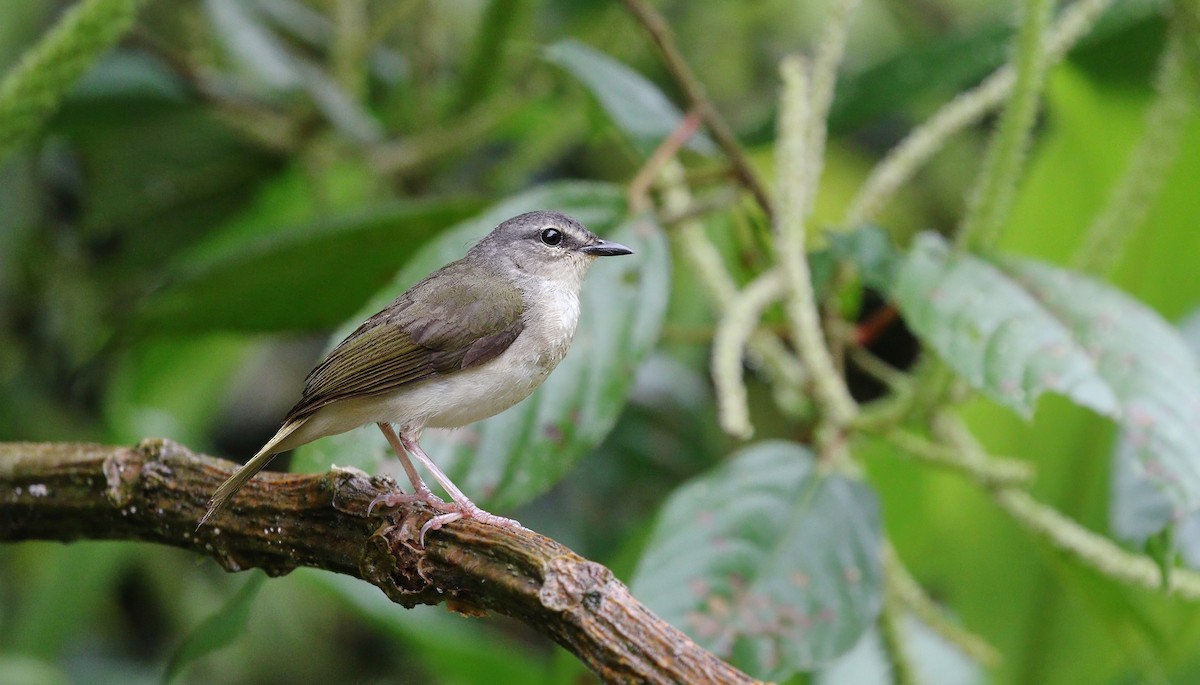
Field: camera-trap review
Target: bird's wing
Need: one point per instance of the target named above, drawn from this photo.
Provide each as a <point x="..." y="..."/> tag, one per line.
<point x="428" y="331"/>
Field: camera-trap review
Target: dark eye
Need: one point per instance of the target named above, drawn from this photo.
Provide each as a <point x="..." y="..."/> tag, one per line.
<point x="551" y="236"/>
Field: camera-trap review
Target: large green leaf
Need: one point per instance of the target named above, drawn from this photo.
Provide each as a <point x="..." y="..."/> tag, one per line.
<point x="218" y="630"/>
<point x="935" y="660"/>
<point x="635" y="104"/>
<point x="511" y="457"/>
<point x="457" y="651"/>
<point x="767" y="561"/>
<point x="305" y="278"/>
<point x="1019" y="328"/>
<point x="1139" y="509"/>
<point x="172" y="387"/>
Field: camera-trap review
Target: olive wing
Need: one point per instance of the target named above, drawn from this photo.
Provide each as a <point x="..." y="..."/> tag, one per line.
<point x="428" y="331"/>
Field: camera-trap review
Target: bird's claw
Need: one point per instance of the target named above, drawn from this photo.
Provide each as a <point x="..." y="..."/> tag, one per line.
<point x="390" y="501"/>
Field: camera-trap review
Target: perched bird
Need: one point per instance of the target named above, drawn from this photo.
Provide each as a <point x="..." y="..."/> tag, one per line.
<point x="469" y="341"/>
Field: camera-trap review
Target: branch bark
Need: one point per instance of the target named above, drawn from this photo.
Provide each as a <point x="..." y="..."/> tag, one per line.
<point x="157" y="491"/>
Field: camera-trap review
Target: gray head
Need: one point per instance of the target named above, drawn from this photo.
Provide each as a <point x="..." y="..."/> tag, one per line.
<point x="548" y="245"/>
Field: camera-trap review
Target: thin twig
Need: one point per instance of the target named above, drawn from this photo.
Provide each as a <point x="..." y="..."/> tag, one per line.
<point x="1067" y="535"/>
<point x="729" y="346"/>
<point x="908" y="593"/>
<point x="639" y="187"/>
<point x="693" y="89"/>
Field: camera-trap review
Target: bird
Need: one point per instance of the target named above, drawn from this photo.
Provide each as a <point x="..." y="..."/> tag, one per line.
<point x="467" y="342"/>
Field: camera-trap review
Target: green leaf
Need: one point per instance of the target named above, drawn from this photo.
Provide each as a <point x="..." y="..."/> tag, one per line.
<point x="218" y="630"/>
<point x="305" y="278"/>
<point x="932" y="657"/>
<point x="1021" y="328"/>
<point x="870" y="250"/>
<point x="518" y="454"/>
<point x="767" y="561"/>
<point x="1139" y="512"/>
<point x="928" y="70"/>
<point x="457" y="651"/>
<point x="635" y="104"/>
<point x="172" y="387"/>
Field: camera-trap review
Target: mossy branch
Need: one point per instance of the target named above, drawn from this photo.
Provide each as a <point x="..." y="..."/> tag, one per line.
<point x="156" y="492"/>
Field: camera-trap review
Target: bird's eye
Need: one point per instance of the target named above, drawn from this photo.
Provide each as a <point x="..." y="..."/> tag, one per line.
<point x="551" y="236"/>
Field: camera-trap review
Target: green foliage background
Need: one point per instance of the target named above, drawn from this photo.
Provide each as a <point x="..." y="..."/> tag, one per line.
<point x="183" y="228"/>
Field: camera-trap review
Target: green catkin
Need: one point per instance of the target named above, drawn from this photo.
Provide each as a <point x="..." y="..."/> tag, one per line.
<point x="32" y="91"/>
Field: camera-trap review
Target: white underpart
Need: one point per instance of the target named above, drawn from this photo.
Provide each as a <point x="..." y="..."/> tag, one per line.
<point x="469" y="395"/>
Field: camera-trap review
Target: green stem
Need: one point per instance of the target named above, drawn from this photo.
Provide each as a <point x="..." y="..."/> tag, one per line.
<point x="32" y="91"/>
<point x="991" y="198"/>
<point x="837" y="406"/>
<point x="1167" y="120"/>
<point x="903" y="161"/>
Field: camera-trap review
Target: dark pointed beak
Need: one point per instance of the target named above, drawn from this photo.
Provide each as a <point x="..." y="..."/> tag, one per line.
<point x="605" y="248"/>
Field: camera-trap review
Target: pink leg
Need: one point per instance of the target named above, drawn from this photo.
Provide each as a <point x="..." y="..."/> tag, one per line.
<point x="421" y="491"/>
<point x="465" y="507"/>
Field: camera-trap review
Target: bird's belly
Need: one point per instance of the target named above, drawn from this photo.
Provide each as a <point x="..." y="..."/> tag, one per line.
<point x="476" y="393"/>
<point x="463" y="396"/>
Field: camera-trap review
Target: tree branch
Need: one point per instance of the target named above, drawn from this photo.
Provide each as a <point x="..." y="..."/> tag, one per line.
<point x="157" y="491"/>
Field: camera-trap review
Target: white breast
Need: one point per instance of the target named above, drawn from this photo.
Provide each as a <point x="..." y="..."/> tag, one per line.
<point x="488" y="389"/>
<point x="471" y="394"/>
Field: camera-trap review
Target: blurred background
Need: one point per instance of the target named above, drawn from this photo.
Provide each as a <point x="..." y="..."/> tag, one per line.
<point x="239" y="178"/>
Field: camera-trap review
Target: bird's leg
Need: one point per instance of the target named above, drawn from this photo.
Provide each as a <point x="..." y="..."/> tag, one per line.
<point x="421" y="491"/>
<point x="465" y="507"/>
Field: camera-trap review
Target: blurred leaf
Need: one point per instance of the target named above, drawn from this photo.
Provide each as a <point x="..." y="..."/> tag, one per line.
<point x="65" y="589"/>
<point x="18" y="669"/>
<point x="932" y="68"/>
<point x="767" y="561"/>
<point x="254" y="47"/>
<point x="218" y="630"/>
<point x="516" y="455"/>
<point x="929" y="70"/>
<point x="1021" y="328"/>
<point x="667" y="432"/>
<point x="635" y="104"/>
<point x="870" y="250"/>
<point x="305" y="278"/>
<point x="155" y="178"/>
<point x="935" y="661"/>
<point x="1139" y="510"/>
<point x="267" y="58"/>
<point x="457" y="651"/>
<point x="172" y="387"/>
<point x="127" y="76"/>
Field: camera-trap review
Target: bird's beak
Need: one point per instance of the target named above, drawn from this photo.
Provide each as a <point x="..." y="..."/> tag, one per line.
<point x="605" y="248"/>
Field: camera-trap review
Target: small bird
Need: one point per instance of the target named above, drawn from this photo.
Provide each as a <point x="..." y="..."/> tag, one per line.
<point x="469" y="341"/>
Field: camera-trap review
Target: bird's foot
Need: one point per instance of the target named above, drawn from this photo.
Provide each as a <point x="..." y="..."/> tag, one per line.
<point x="466" y="510"/>
<point x="390" y="501"/>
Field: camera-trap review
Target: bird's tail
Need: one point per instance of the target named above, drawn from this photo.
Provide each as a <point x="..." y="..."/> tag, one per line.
<point x="235" y="482"/>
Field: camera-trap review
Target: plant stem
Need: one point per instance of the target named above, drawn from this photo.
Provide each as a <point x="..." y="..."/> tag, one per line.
<point x="837" y="407"/>
<point x="694" y="90"/>
<point x="766" y="353"/>
<point x="991" y="198"/>
<point x="902" y="162"/>
<point x="729" y="346"/>
<point x="1131" y="199"/>
<point x="907" y="592"/>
